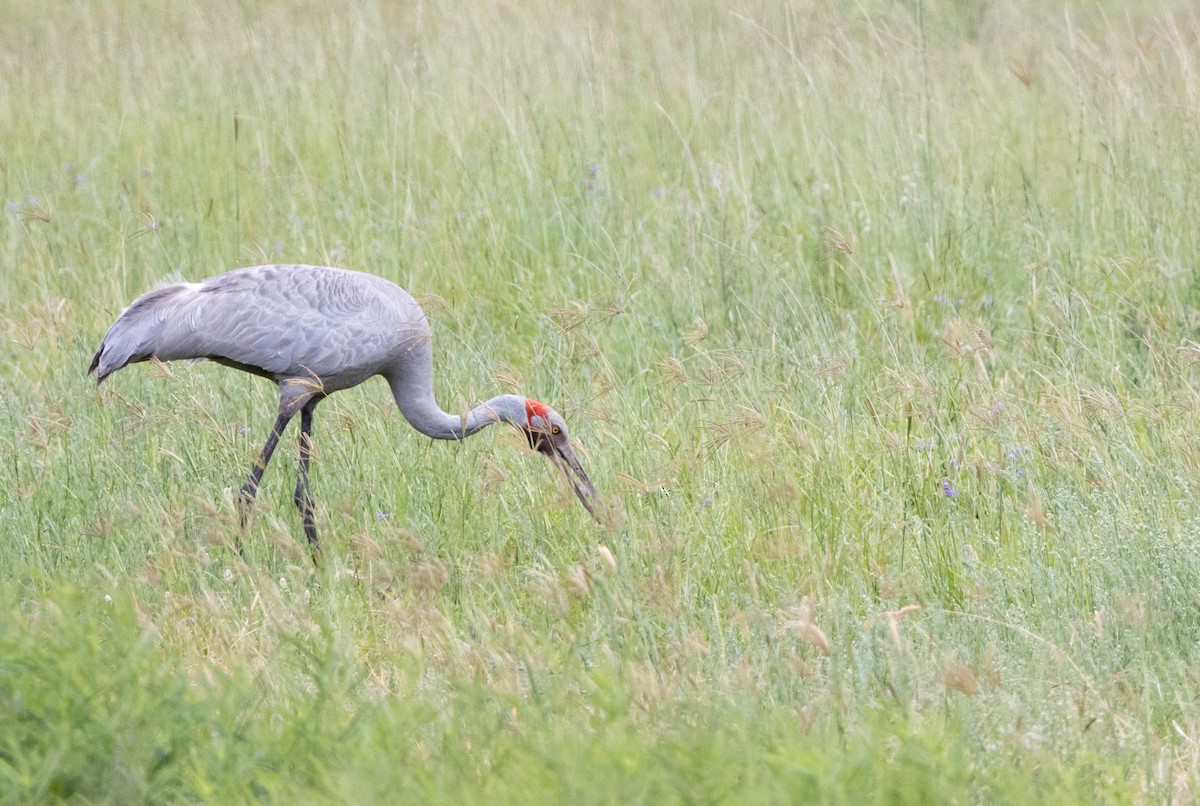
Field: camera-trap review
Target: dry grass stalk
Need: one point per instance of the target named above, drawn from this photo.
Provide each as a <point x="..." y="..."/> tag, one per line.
<point x="1035" y="510"/>
<point x="1189" y="352"/>
<point x="580" y="581"/>
<point x="576" y="314"/>
<point x="607" y="556"/>
<point x="506" y="377"/>
<point x="801" y="623"/>
<point x="893" y="618"/>
<point x="697" y="334"/>
<point x="724" y="368"/>
<point x="671" y="372"/>
<point x="957" y="676"/>
<point x="1101" y="405"/>
<point x="431" y="302"/>
<point x="834" y="241"/>
<point x="363" y="546"/>
<point x="833" y="366"/>
<point x="965" y="340"/>
<point x="735" y="429"/>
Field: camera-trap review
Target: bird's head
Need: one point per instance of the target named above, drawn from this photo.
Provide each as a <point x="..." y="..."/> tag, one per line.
<point x="547" y="434"/>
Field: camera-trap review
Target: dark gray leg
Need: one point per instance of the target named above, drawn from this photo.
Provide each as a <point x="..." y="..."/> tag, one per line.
<point x="303" y="497"/>
<point x="250" y="488"/>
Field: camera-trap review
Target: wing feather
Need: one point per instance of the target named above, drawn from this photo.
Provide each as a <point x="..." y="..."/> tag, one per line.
<point x="333" y="325"/>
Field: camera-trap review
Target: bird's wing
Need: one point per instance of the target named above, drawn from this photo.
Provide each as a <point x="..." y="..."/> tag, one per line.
<point x="300" y="322"/>
<point x="279" y="321"/>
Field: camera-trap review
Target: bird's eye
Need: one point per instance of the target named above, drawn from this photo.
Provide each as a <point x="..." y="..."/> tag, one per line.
<point x="556" y="430"/>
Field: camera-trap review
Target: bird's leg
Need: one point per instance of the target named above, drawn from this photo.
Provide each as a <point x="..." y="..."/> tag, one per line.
<point x="303" y="497"/>
<point x="250" y="488"/>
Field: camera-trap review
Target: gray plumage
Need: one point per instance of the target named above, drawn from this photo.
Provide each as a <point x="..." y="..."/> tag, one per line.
<point x="314" y="331"/>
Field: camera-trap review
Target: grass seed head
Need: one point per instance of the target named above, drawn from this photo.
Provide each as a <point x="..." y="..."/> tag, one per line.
<point x="957" y="676"/>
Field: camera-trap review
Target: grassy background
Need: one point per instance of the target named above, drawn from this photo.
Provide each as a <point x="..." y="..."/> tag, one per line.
<point x="876" y="326"/>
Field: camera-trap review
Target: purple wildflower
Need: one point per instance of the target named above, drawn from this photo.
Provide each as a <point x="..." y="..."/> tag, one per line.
<point x="948" y="489"/>
<point x="1015" y="454"/>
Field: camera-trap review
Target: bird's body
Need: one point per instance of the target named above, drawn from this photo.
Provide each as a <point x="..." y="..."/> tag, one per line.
<point x="314" y="331"/>
<point x="307" y="327"/>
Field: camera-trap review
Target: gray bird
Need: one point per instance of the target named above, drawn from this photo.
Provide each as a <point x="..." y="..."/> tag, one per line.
<point x="314" y="331"/>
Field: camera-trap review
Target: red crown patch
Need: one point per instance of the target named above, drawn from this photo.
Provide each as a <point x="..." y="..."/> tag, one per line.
<point x="533" y="408"/>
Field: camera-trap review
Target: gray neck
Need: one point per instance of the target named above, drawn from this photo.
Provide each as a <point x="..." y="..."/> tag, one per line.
<point x="424" y="414"/>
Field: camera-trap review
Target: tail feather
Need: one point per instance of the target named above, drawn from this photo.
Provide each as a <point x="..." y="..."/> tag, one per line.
<point x="136" y="333"/>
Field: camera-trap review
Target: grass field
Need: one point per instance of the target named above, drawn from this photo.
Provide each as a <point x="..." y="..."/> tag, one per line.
<point x="877" y="325"/>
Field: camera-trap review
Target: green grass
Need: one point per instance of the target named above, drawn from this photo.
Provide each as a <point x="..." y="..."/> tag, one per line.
<point x="877" y="327"/>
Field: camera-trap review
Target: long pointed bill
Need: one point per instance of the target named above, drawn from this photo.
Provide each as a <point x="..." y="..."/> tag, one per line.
<point x="585" y="491"/>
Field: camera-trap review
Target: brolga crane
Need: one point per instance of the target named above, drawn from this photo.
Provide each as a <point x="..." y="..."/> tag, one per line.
<point x="314" y="331"/>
